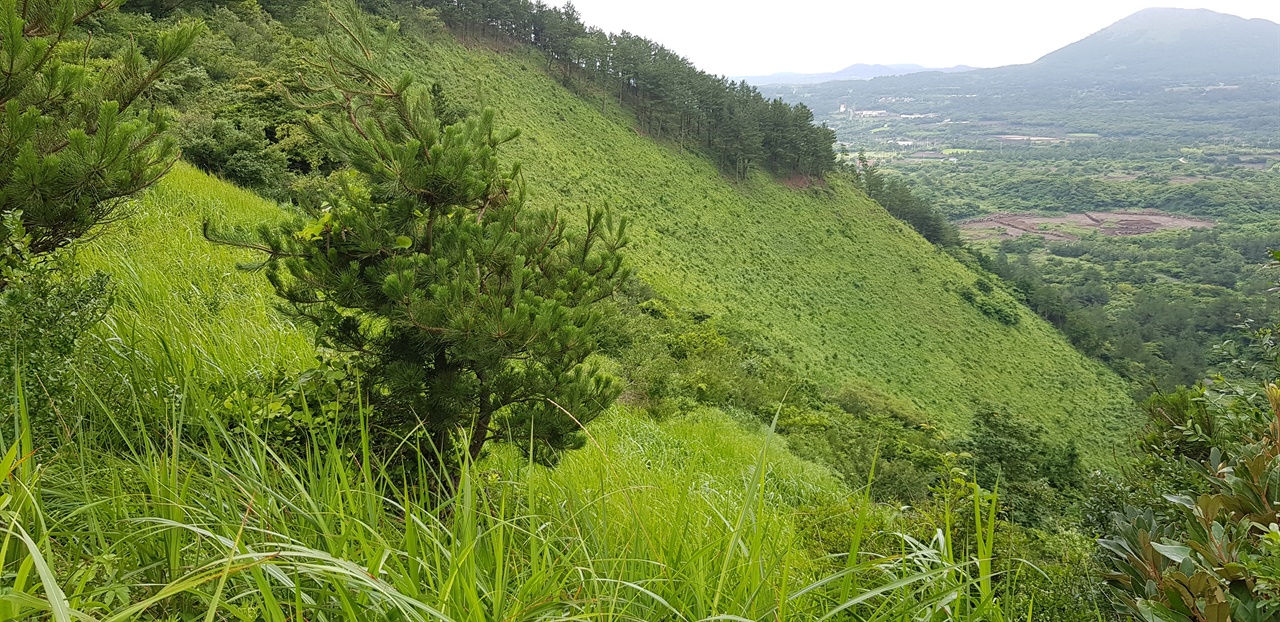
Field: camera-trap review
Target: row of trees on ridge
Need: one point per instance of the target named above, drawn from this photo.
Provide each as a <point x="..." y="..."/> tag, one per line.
<point x="672" y="99"/>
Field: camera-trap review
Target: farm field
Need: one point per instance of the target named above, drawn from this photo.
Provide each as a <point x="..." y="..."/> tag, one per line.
<point x="1072" y="226"/>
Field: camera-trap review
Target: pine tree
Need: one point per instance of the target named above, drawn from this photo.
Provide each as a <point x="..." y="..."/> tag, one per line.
<point x="72" y="144"/>
<point x="473" y="313"/>
<point x="898" y="199"/>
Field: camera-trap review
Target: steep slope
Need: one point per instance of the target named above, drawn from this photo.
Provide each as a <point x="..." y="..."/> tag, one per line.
<point x="188" y="328"/>
<point x="836" y="284"/>
<point x="177" y="295"/>
<point x="1192" y="43"/>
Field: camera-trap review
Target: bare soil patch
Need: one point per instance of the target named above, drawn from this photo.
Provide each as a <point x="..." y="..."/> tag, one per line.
<point x="1068" y="227"/>
<point x="801" y="182"/>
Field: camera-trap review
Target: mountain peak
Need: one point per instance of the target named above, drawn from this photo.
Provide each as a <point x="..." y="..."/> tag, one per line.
<point x="1176" y="42"/>
<point x="1177" y="14"/>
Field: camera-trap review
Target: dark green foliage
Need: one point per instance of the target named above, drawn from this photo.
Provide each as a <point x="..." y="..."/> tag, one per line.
<point x="238" y="153"/>
<point x="1160" y="309"/>
<point x="1157" y="308"/>
<point x="896" y="196"/>
<point x="1102" y="175"/>
<point x="45" y="312"/>
<point x="858" y="429"/>
<point x="676" y="359"/>
<point x="238" y="124"/>
<point x="992" y="302"/>
<point x="1038" y="480"/>
<point x="72" y="141"/>
<point x="473" y="314"/>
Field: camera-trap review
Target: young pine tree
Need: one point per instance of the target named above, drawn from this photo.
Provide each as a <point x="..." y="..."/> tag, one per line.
<point x="472" y="313"/>
<point x="72" y="144"/>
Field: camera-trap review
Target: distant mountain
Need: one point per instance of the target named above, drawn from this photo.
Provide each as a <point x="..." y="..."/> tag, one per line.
<point x="1152" y="45"/>
<point x="852" y="72"/>
<point x="1159" y="74"/>
<point x="1189" y="43"/>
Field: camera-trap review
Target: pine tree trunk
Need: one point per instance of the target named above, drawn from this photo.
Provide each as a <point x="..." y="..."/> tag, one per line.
<point x="480" y="429"/>
<point x="479" y="435"/>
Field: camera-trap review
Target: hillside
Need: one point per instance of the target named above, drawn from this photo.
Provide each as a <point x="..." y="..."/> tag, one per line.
<point x="829" y="279"/>
<point x="1196" y="44"/>
<point x="308" y="353"/>
<point x="811" y="274"/>
<point x="184" y="317"/>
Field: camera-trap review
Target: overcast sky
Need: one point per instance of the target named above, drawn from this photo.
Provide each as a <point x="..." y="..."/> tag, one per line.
<point x="756" y="37"/>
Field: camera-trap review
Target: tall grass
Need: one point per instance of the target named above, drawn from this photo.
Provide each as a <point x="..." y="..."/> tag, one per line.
<point x="227" y="528"/>
<point x="179" y="297"/>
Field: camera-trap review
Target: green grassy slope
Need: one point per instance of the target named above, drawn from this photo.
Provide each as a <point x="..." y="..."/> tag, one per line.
<point x="840" y="286"/>
<point x="178" y="295"/>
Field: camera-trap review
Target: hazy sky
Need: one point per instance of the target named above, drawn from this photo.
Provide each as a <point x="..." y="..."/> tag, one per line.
<point x="754" y="37"/>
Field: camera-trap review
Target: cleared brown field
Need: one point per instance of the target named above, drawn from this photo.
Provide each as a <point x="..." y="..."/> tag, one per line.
<point x="1069" y="227"/>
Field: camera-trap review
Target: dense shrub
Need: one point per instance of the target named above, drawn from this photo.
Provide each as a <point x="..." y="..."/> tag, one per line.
<point x="238" y="152"/>
<point x="46" y="310"/>
<point x="1039" y="481"/>
<point x="1211" y="552"/>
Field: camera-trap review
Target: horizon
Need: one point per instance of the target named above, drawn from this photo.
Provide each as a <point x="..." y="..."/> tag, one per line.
<point x="990" y="33"/>
<point x="850" y="66"/>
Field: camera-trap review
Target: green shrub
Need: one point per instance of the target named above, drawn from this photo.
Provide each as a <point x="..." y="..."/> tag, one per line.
<point x="1210" y="552"/>
<point x="239" y="153"/>
<point x="46" y="310"/>
<point x="1040" y="482"/>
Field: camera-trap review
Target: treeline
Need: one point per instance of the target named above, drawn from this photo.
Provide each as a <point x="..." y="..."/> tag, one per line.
<point x="729" y="121"/>
<point x="897" y="197"/>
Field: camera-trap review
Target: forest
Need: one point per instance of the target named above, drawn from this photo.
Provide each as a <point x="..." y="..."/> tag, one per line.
<point x="469" y="311"/>
<point x="1162" y="308"/>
